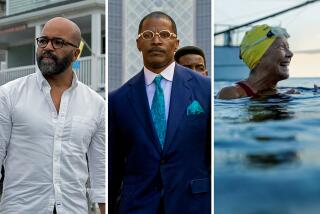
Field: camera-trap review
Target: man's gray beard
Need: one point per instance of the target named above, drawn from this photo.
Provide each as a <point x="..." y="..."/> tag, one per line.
<point x="54" y="67"/>
<point x="48" y="68"/>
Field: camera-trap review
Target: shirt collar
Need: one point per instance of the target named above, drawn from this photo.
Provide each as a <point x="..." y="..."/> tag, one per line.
<point x="43" y="82"/>
<point x="74" y="80"/>
<point x="40" y="79"/>
<point x="167" y="74"/>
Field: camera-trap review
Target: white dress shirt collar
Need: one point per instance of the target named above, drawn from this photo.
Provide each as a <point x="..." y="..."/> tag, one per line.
<point x="166" y="74"/>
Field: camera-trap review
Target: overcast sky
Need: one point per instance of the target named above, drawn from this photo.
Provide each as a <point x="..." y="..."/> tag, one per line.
<point x="302" y="24"/>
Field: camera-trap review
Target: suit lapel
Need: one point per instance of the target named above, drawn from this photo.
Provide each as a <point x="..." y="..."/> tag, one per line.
<point x="180" y="98"/>
<point x="139" y="100"/>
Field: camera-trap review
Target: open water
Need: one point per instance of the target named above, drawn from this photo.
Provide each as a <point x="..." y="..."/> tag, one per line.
<point x="267" y="152"/>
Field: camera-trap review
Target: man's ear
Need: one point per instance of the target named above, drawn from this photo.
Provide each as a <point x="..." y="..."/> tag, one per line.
<point x="76" y="54"/>
<point x="138" y="45"/>
<point x="177" y="45"/>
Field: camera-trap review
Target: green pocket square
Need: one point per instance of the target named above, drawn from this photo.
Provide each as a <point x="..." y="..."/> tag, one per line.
<point x="194" y="108"/>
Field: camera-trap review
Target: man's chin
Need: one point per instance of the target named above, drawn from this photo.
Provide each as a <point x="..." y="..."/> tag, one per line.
<point x="158" y="64"/>
<point x="49" y="71"/>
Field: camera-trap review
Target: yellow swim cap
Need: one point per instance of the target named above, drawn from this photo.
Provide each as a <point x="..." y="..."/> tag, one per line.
<point x="257" y="41"/>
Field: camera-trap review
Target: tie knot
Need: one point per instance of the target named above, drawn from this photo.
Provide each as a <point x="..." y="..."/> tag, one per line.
<point x="157" y="80"/>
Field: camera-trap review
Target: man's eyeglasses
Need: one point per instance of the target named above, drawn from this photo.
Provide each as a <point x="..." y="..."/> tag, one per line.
<point x="164" y="34"/>
<point x="56" y="43"/>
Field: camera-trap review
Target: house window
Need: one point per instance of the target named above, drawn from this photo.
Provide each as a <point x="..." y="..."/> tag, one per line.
<point x="103" y="51"/>
<point x="2" y="6"/>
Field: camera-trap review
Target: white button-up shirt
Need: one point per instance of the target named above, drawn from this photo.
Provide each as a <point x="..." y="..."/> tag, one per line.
<point x="45" y="154"/>
<point x="166" y="85"/>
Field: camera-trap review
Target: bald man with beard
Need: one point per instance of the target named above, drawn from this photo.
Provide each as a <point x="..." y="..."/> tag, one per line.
<point x="52" y="134"/>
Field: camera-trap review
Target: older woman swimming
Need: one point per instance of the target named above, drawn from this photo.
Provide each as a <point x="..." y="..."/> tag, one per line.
<point x="265" y="51"/>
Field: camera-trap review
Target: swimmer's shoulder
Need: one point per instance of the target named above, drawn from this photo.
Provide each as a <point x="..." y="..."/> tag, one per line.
<point x="231" y="92"/>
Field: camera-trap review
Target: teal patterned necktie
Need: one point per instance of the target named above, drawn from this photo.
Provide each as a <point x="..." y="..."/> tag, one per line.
<point x="158" y="111"/>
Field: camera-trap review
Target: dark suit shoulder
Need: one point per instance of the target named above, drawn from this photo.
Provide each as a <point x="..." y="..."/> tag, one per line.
<point x="198" y="78"/>
<point x="197" y="81"/>
<point x="204" y="81"/>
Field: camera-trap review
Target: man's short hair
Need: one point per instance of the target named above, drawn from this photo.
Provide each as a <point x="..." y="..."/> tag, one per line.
<point x="158" y="15"/>
<point x="189" y="50"/>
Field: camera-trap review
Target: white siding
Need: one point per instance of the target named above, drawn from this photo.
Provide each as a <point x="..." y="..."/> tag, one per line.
<point x="18" y="6"/>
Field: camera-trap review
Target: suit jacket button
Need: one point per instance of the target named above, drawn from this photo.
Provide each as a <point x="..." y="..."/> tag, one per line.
<point x="162" y="161"/>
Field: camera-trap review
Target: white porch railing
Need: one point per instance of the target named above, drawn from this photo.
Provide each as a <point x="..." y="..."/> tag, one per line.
<point x="83" y="72"/>
<point x="10" y="74"/>
<point x="102" y="62"/>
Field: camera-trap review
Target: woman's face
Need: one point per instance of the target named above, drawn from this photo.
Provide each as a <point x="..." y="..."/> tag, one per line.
<point x="277" y="58"/>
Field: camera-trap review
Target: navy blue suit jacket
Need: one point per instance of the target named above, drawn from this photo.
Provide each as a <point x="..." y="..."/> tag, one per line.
<point x="140" y="172"/>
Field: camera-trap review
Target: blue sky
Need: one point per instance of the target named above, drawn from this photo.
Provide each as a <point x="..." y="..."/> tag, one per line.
<point x="302" y="24"/>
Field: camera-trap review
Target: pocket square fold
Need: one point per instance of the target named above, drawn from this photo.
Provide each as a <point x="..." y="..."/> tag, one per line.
<point x="194" y="108"/>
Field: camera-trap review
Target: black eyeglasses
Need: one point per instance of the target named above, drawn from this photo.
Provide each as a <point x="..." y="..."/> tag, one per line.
<point x="56" y="43"/>
<point x="164" y="34"/>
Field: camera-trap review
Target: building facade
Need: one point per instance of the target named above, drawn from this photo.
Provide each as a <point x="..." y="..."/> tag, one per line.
<point x="23" y="21"/>
<point x="193" y="20"/>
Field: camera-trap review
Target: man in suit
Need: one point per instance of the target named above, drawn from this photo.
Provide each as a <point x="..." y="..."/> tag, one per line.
<point x="160" y="130"/>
